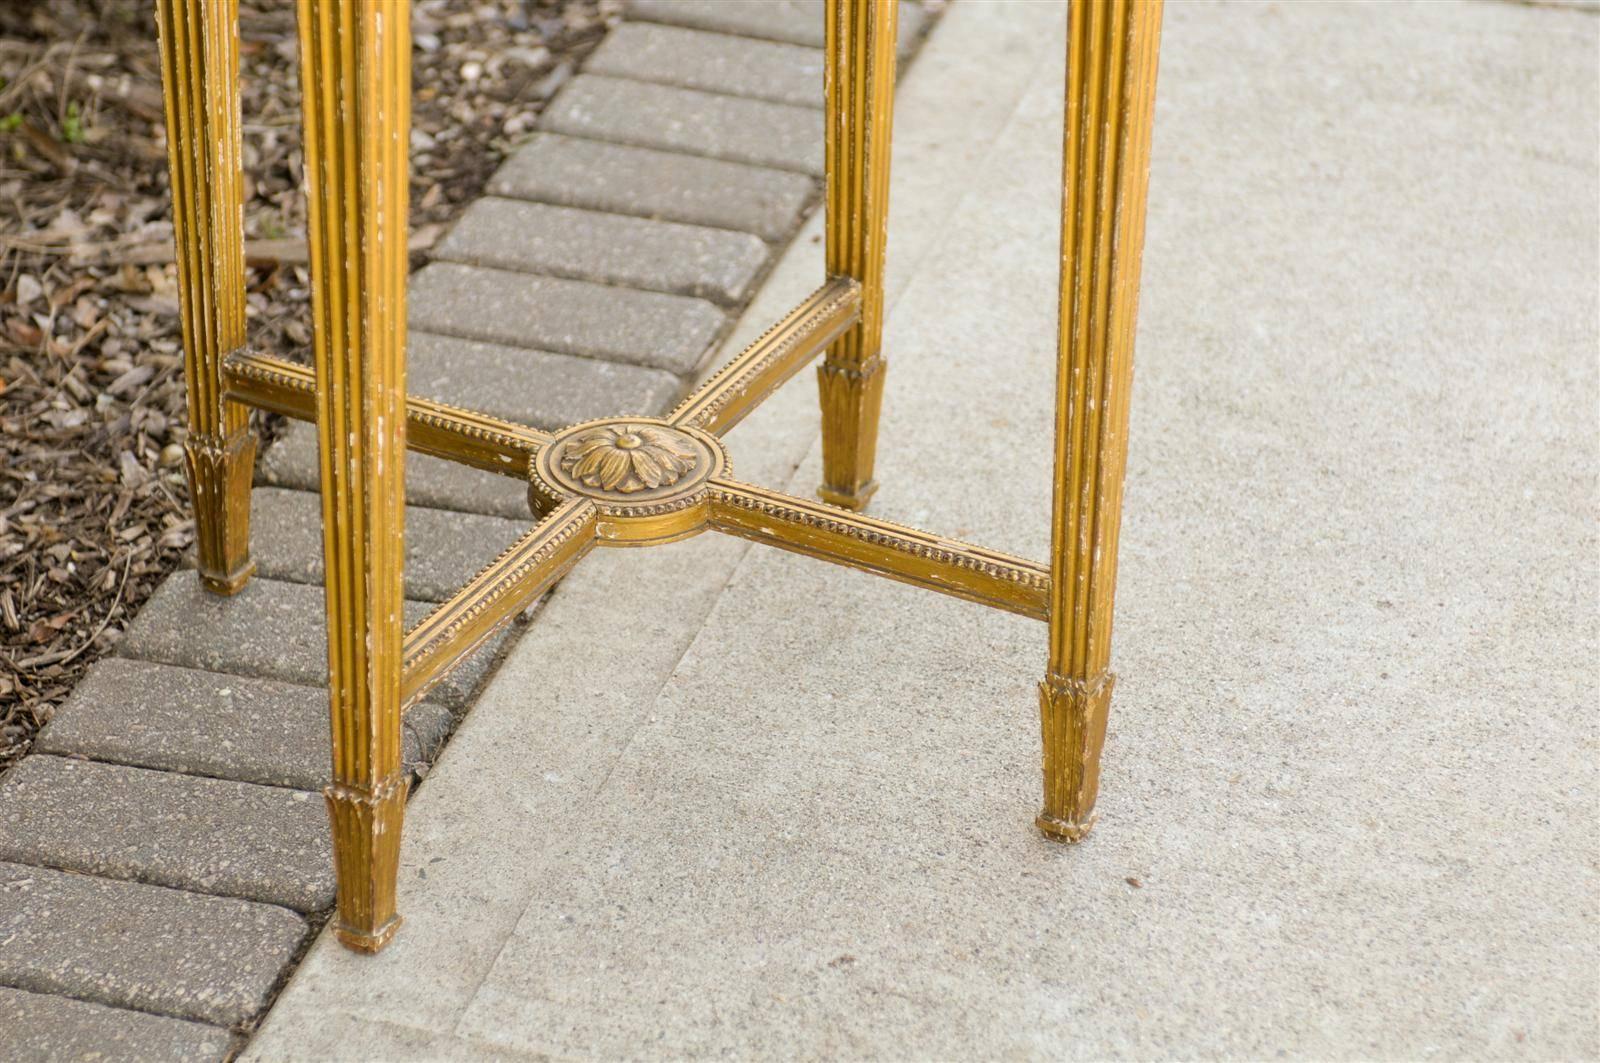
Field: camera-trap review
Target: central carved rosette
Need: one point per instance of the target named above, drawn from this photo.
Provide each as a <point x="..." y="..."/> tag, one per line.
<point x="647" y="476"/>
<point x="628" y="458"/>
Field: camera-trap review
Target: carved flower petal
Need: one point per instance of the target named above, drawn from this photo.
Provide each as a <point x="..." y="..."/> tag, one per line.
<point x="670" y="442"/>
<point x="589" y="465"/>
<point x="592" y="440"/>
<point x="613" y="468"/>
<point x="651" y="472"/>
<point x="680" y="463"/>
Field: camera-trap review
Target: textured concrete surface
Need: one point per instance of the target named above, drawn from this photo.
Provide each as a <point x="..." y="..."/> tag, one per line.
<point x="237" y="727"/>
<point x="670" y="332"/>
<point x="234" y="839"/>
<point x="711" y="62"/>
<point x="608" y="248"/>
<point x="1349" y="791"/>
<point x="47" y="1029"/>
<point x="443" y="549"/>
<point x="698" y="123"/>
<point x="129" y="945"/>
<point x="794" y="21"/>
<point x="430" y="482"/>
<point x="654" y="184"/>
<point x="468" y="844"/>
<point x="271" y="629"/>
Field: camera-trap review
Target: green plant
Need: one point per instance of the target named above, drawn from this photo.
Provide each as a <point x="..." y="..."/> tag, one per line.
<point x="72" y="126"/>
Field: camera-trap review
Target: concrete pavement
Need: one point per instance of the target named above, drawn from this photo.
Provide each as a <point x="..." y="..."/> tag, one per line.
<point x="726" y="801"/>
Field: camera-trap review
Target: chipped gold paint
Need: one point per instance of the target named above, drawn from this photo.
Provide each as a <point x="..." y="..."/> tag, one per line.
<point x="200" y="86"/>
<point x="355" y="73"/>
<point x="1111" y="79"/>
<point x="858" y="91"/>
<point x="638" y="481"/>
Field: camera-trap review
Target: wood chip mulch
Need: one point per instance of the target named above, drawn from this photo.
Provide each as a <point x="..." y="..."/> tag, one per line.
<point x="94" y="510"/>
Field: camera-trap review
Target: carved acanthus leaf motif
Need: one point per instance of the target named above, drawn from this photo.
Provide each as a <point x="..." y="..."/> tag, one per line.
<point x="627" y="458"/>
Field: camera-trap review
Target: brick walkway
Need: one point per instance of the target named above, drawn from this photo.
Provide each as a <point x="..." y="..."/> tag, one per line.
<point x="164" y="855"/>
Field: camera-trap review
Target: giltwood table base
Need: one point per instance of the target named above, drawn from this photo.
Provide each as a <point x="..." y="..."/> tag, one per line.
<point x="627" y="481"/>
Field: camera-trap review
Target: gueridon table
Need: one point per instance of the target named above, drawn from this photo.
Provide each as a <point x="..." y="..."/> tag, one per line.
<point x="626" y="481"/>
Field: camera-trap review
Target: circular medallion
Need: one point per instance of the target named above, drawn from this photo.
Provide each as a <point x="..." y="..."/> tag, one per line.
<point x="646" y="475"/>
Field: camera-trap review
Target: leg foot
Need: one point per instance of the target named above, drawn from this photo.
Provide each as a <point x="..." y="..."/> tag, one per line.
<point x="851" y="398"/>
<point x="220" y="469"/>
<point x="1060" y="830"/>
<point x="361" y="941"/>
<point x="1072" y="715"/>
<point x="366" y="860"/>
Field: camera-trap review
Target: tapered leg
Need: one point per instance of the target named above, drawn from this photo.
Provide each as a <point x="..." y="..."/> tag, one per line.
<point x="859" y="84"/>
<point x="200" y="84"/>
<point x="1111" y="76"/>
<point x="356" y="83"/>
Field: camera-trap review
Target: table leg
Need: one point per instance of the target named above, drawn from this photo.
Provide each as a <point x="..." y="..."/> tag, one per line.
<point x="859" y="82"/>
<point x="1111" y="76"/>
<point x="356" y="80"/>
<point x="200" y="86"/>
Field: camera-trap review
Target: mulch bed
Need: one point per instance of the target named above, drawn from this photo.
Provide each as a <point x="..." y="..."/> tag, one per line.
<point x="94" y="510"/>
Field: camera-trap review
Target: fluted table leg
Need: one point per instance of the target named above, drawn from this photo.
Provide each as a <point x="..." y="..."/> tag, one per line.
<point x="200" y="85"/>
<point x="1111" y="77"/>
<point x="355" y="74"/>
<point x="859" y="84"/>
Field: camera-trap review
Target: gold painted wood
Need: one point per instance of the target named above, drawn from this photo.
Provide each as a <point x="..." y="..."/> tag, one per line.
<point x="816" y="529"/>
<point x="859" y="67"/>
<point x="356" y="98"/>
<point x="200" y="87"/>
<point x="647" y="477"/>
<point x="1111" y="78"/>
<point x="508" y="585"/>
<point x="463" y="436"/>
<point x="776" y="355"/>
<point x="639" y="481"/>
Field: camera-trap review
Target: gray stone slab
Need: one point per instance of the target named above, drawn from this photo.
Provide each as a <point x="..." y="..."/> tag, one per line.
<point x="670" y="332"/>
<point x="794" y="21"/>
<point x="270" y="629"/>
<point x="612" y="249"/>
<point x="537" y="388"/>
<point x="576" y="172"/>
<point x="41" y="1028"/>
<point x="236" y="727"/>
<point x="443" y="549"/>
<point x="698" y="123"/>
<point x="233" y="839"/>
<point x="711" y="62"/>
<point x="129" y="945"/>
<point x="434" y="483"/>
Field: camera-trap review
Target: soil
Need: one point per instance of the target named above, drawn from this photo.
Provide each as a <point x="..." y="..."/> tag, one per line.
<point x="94" y="510"/>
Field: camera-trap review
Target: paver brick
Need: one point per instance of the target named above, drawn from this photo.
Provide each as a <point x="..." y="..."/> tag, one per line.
<point x="793" y="21"/>
<point x="291" y="461"/>
<point x="235" y="839"/>
<point x="646" y="183"/>
<point x="443" y="549"/>
<point x="711" y="62"/>
<point x="41" y="1028"/>
<point x="699" y="123"/>
<point x="270" y="629"/>
<point x="670" y="332"/>
<point x="609" y="248"/>
<point x="151" y="715"/>
<point x="130" y="945"/>
<point x="535" y="388"/>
